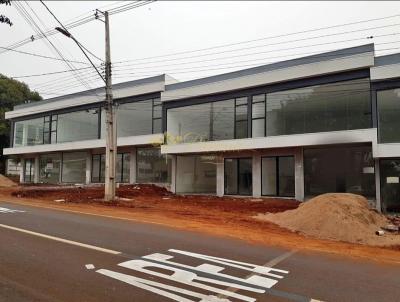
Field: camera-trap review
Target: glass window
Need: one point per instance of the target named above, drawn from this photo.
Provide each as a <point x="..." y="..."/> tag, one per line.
<point x="29" y="132"/>
<point x="77" y="126"/>
<point x="196" y="174"/>
<point x="268" y="176"/>
<point x="29" y="170"/>
<point x="122" y="168"/>
<point x="286" y="176"/>
<point x="258" y="115"/>
<point x="203" y="122"/>
<point x="390" y="184"/>
<point x="231" y="176"/>
<point x="238" y="176"/>
<point x="49" y="168"/>
<point x="133" y="119"/>
<point x="277" y="176"/>
<point x="74" y="167"/>
<point x="241" y="118"/>
<point x="152" y="166"/>
<point x="329" y="107"/>
<point x="339" y="169"/>
<point x="389" y="113"/>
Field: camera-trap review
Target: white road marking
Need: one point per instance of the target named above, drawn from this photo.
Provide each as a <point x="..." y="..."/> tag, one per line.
<point x="157" y="288"/>
<point x="188" y="278"/>
<point x="88" y="246"/>
<point x="6" y="210"/>
<point x="214" y="270"/>
<point x="89" y="266"/>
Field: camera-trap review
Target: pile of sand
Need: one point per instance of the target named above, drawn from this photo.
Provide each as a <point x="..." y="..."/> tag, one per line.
<point x="6" y="182"/>
<point x="336" y="216"/>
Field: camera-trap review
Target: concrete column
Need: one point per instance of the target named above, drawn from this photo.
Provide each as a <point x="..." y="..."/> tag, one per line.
<point x="22" y="171"/>
<point x="378" y="185"/>
<point x="220" y="179"/>
<point x="132" y="166"/>
<point x="88" y="179"/>
<point x="257" y="175"/>
<point x="299" y="174"/>
<point x="36" y="170"/>
<point x="173" y="173"/>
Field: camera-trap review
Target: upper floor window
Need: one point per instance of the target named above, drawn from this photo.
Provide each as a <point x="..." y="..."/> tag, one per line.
<point x="220" y="120"/>
<point x="330" y="107"/>
<point x="136" y="118"/>
<point x="388" y="115"/>
<point x="29" y="132"/>
<point x="77" y="126"/>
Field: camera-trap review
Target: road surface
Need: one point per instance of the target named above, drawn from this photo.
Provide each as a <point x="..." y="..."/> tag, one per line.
<point x="52" y="255"/>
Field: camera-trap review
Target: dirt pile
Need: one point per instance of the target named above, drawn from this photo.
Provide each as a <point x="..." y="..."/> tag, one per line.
<point x="341" y="217"/>
<point x="6" y="182"/>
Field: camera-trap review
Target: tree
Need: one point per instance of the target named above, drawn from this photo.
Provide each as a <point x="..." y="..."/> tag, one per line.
<point x="12" y="92"/>
<point x="4" y="19"/>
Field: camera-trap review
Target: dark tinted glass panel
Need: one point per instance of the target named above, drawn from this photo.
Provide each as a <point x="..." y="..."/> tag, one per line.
<point x="390" y="184"/>
<point x="231" y="176"/>
<point x="389" y="113"/>
<point x="245" y="176"/>
<point x="351" y="169"/>
<point x="286" y="176"/>
<point x="74" y="167"/>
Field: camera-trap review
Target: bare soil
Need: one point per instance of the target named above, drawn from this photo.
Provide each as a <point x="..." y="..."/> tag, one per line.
<point x="6" y="182"/>
<point x="225" y="216"/>
<point x="337" y="216"/>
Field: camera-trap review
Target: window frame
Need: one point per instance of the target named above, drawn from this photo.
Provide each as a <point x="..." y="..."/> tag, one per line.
<point x="276" y="157"/>
<point x="237" y="159"/>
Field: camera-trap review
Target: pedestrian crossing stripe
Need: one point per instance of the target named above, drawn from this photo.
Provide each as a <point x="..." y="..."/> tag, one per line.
<point x="5" y="210"/>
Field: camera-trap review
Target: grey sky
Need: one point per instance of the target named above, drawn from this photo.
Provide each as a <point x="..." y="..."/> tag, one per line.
<point x="166" y="27"/>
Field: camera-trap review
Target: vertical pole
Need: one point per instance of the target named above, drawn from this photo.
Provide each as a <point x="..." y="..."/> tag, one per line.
<point x="111" y="139"/>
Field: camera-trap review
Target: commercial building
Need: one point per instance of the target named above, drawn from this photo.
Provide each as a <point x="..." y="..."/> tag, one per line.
<point x="298" y="128"/>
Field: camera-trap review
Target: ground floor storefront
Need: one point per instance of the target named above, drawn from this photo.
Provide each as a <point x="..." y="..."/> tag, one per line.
<point x="299" y="172"/>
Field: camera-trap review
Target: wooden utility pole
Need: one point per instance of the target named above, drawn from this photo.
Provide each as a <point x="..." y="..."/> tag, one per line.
<point x="111" y="126"/>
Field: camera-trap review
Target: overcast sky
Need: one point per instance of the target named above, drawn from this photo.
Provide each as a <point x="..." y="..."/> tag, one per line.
<point x="144" y="36"/>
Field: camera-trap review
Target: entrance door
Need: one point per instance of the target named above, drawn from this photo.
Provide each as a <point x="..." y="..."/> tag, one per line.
<point x="238" y="176"/>
<point x="390" y="184"/>
<point x="277" y="176"/>
<point x="29" y="170"/>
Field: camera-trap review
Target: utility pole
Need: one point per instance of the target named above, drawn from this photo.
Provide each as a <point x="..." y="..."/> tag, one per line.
<point x="111" y="126"/>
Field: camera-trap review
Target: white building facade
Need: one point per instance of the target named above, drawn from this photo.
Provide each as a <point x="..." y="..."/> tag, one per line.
<point x="298" y="128"/>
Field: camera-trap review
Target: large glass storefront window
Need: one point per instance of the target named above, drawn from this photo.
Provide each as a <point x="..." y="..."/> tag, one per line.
<point x="196" y="174"/>
<point x="329" y="107"/>
<point x="74" y="167"/>
<point x="238" y="176"/>
<point x="221" y="120"/>
<point x="347" y="169"/>
<point x="152" y="166"/>
<point x="122" y="168"/>
<point x="29" y="132"/>
<point x="136" y="118"/>
<point x="277" y="176"/>
<point x="388" y="115"/>
<point x="77" y="126"/>
<point x="49" y="168"/>
<point x="390" y="184"/>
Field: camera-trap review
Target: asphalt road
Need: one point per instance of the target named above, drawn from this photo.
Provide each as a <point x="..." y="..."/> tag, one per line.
<point x="51" y="255"/>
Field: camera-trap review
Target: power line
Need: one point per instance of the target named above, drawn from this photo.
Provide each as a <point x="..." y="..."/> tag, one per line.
<point x="69" y="25"/>
<point x="79" y="44"/>
<point x="266" y="38"/>
<point x="40" y="56"/>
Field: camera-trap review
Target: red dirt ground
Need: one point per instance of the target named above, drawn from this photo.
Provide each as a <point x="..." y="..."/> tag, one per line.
<point x="224" y="216"/>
